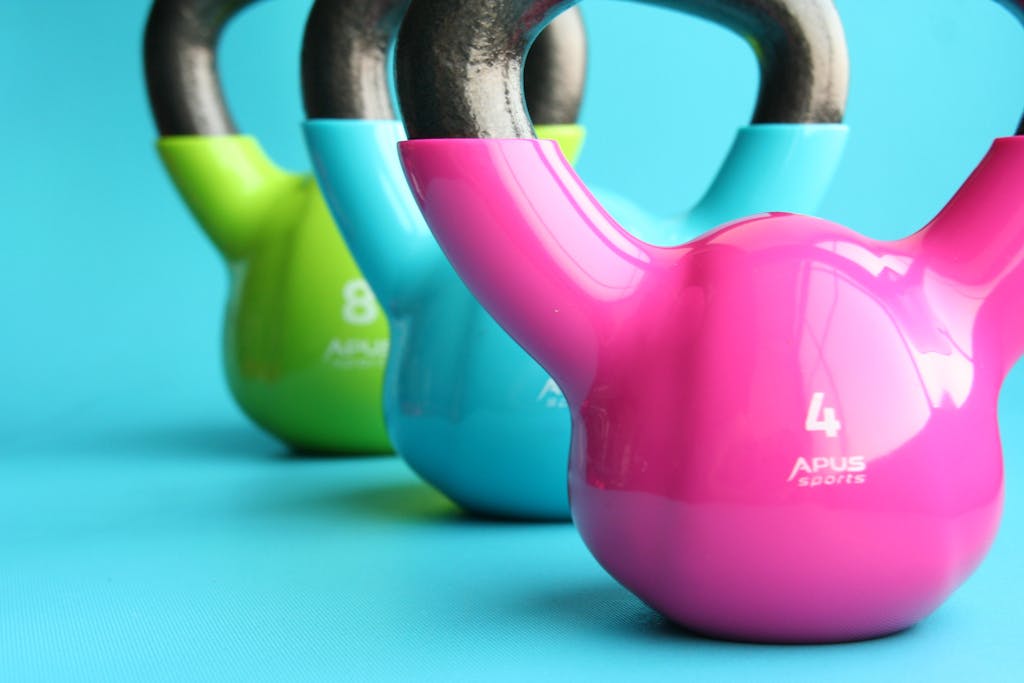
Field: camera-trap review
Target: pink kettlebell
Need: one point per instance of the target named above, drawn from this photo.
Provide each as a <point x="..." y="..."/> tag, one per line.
<point x="783" y="430"/>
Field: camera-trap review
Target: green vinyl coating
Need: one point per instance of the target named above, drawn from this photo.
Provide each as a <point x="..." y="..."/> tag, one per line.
<point x="305" y="341"/>
<point x="569" y="136"/>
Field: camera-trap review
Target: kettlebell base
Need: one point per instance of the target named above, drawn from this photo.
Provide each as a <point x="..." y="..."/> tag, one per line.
<point x="487" y="465"/>
<point x="507" y="514"/>
<point x="493" y="505"/>
<point x="761" y="638"/>
<point x="315" y="452"/>
<point x="763" y="575"/>
<point x="506" y="498"/>
<point x="314" y="439"/>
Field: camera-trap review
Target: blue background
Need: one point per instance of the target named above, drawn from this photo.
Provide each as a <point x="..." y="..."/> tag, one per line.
<point x="147" y="531"/>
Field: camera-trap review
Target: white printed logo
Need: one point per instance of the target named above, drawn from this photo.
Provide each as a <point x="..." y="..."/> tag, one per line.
<point x="551" y="396"/>
<point x="827" y="422"/>
<point x="360" y="305"/>
<point x="812" y="472"/>
<point x="356" y="353"/>
<point x="826" y="471"/>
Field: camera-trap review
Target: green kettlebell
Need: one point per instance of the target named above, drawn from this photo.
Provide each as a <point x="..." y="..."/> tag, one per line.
<point x="305" y="341"/>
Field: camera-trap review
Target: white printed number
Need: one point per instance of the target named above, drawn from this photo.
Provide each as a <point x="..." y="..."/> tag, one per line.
<point x="821" y="419"/>
<point x="360" y="306"/>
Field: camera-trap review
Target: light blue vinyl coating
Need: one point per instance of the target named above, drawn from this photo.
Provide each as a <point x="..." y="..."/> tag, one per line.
<point x="770" y="167"/>
<point x="465" y="406"/>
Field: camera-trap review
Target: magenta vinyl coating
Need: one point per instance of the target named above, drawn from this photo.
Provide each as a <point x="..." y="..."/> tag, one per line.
<point x="783" y="430"/>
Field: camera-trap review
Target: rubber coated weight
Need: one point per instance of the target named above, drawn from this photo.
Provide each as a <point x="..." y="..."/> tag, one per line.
<point x="304" y="339"/>
<point x="466" y="407"/>
<point x="800" y="47"/>
<point x="782" y="430"/>
<point x="463" y="400"/>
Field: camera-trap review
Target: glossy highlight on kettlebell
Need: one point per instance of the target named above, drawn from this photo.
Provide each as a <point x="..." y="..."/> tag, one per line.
<point x="465" y="406"/>
<point x="782" y="430"/>
<point x="305" y="341"/>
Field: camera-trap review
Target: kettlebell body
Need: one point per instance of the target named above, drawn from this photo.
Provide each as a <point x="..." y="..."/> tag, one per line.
<point x="465" y="406"/>
<point x="305" y="342"/>
<point x="783" y="430"/>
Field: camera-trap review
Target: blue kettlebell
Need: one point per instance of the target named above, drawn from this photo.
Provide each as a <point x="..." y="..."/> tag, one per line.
<point x="465" y="406"/>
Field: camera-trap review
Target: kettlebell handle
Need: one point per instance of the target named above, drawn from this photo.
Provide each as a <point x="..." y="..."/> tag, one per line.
<point x="345" y="58"/>
<point x="345" y="63"/>
<point x="799" y="44"/>
<point x="1016" y="8"/>
<point x="180" y="54"/>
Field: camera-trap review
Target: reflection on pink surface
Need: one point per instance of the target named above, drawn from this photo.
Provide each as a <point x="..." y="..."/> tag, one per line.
<point x="781" y="431"/>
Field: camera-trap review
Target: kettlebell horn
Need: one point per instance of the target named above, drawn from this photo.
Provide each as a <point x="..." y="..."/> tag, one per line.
<point x="542" y="253"/>
<point x="976" y="246"/>
<point x="976" y="243"/>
